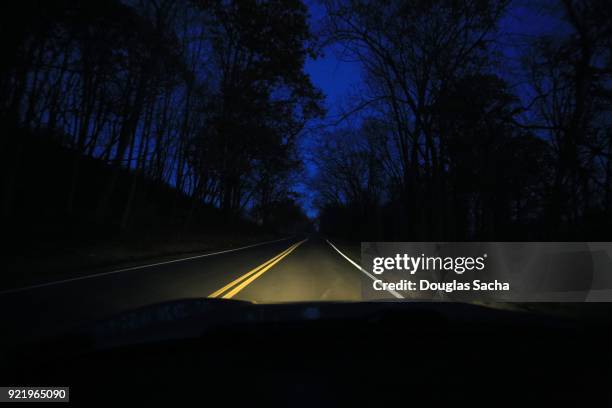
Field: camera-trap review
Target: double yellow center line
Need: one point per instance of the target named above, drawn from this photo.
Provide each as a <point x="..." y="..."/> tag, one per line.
<point x="242" y="282"/>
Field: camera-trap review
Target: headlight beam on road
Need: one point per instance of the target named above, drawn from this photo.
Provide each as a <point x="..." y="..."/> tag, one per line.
<point x="243" y="281"/>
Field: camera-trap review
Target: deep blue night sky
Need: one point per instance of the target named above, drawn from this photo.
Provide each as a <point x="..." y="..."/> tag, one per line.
<point x="337" y="77"/>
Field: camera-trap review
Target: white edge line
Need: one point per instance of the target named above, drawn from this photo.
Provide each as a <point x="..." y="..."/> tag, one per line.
<point x="356" y="265"/>
<point x="132" y="268"/>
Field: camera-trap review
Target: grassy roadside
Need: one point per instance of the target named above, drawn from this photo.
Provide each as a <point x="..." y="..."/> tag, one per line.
<point x="82" y="260"/>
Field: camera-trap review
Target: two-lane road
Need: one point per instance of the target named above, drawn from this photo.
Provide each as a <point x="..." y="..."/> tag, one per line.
<point x="295" y="269"/>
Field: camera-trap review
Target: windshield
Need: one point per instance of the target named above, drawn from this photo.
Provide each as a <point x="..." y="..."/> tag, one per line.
<point x="318" y="151"/>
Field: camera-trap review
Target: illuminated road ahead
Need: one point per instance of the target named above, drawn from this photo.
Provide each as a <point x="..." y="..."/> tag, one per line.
<point x="296" y="269"/>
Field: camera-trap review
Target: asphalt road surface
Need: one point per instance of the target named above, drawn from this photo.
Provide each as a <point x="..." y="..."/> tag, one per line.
<point x="294" y="269"/>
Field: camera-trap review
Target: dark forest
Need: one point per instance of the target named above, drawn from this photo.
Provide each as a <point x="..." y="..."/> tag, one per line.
<point x="449" y="148"/>
<point x="152" y="118"/>
<point x="173" y="118"/>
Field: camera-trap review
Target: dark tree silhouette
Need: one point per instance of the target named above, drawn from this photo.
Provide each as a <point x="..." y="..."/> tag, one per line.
<point x="467" y="156"/>
<point x="200" y="102"/>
